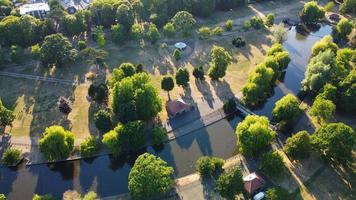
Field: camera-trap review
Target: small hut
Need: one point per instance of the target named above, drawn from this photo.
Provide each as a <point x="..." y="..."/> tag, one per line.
<point x="177" y="107"/>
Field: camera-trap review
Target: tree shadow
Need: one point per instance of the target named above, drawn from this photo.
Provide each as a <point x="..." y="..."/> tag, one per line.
<point x="222" y="90"/>
<point x="204" y="89"/>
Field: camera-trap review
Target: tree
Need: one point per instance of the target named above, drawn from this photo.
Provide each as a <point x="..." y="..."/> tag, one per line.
<point x="176" y="54"/>
<point x="329" y="6"/>
<point x="93" y="56"/>
<point x="279" y="33"/>
<point x="90" y="196"/>
<point x="329" y="92"/>
<point x="150" y="177"/>
<point x="287" y="109"/>
<point x="312" y="13"/>
<point x="229" y="107"/>
<point x="347" y="90"/>
<point x="169" y="29"/>
<point x="125" y="16"/>
<point x="198" y="73"/>
<point x="253" y="134"/>
<point x="99" y="36"/>
<point x="159" y="134"/>
<point x="90" y="146"/>
<point x="182" y="77"/>
<point x="323" y="109"/>
<point x="11" y="156"/>
<point x="2" y="197"/>
<point x="64" y="105"/>
<point x="122" y="71"/>
<point x="203" y="8"/>
<point x="230" y="183"/>
<point x="269" y="19"/>
<point x="272" y="163"/>
<point x="324" y="44"/>
<point x="56" y="143"/>
<point x="56" y="50"/>
<point x="256" y="22"/>
<point x="220" y="59"/>
<point x="43" y="197"/>
<point x="229" y="24"/>
<point x="6" y="116"/>
<point x="342" y="29"/>
<point x="99" y="93"/>
<point x="183" y="21"/>
<point x="74" y="24"/>
<point x="298" y="146"/>
<point x="207" y="166"/>
<point x="36" y="51"/>
<point x="125" y="138"/>
<point x="277" y="193"/>
<point x="103" y="13"/>
<point x="346" y="58"/>
<point x="348" y="6"/>
<point x="117" y="33"/>
<point x="136" y="32"/>
<point x="102" y="120"/>
<point x="153" y="33"/>
<point x="204" y="33"/>
<point x="335" y="141"/>
<point x="167" y="83"/>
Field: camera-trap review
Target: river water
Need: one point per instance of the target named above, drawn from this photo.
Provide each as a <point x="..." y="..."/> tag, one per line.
<point x="109" y="177"/>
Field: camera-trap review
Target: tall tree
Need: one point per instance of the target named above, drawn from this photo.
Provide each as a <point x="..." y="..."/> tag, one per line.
<point x="220" y="59"/>
<point x="6" y="116"/>
<point x="183" y="21"/>
<point x="167" y="84"/>
<point x="312" y="13"/>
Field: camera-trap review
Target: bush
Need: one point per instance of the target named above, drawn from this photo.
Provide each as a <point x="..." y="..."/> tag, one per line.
<point x="256" y="22"/>
<point x="269" y="19"/>
<point x="176" y="54"/>
<point x="230" y="106"/>
<point x="247" y="25"/>
<point x="287" y="109"/>
<point x="198" y="73"/>
<point x="44" y="197"/>
<point x="182" y="77"/>
<point x="2" y="197"/>
<point x="15" y="53"/>
<point x="64" y="105"/>
<point x="204" y="33"/>
<point x="279" y="33"/>
<point x="298" y="146"/>
<point x="169" y="29"/>
<point x="118" y="33"/>
<point x="217" y="31"/>
<point x="329" y="6"/>
<point x="229" y="24"/>
<point x="158" y="135"/>
<point x="277" y="193"/>
<point x="312" y="13"/>
<point x="102" y="120"/>
<point x="82" y="44"/>
<point x="238" y="42"/>
<point x="348" y="6"/>
<point x="36" y="51"/>
<point x="322" y="109"/>
<point x="230" y="183"/>
<point x="153" y="33"/>
<point x="11" y="156"/>
<point x="272" y="163"/>
<point x="90" y="146"/>
<point x="56" y="143"/>
<point x="99" y="93"/>
<point x="206" y="166"/>
<point x="90" y="196"/>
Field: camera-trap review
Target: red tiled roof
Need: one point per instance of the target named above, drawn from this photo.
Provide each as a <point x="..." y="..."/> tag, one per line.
<point x="176" y="106"/>
<point x="253" y="182"/>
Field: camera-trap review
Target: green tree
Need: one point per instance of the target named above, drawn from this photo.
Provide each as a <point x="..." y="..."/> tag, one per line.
<point x="323" y="109"/>
<point x="324" y="44"/>
<point x="153" y="33"/>
<point x="220" y="59"/>
<point x="169" y="29"/>
<point x="167" y="84"/>
<point x="230" y="183"/>
<point x="117" y="33"/>
<point x="343" y="29"/>
<point x="159" y="134"/>
<point x="176" y="54"/>
<point x="150" y="177"/>
<point x="269" y="19"/>
<point x="6" y="116"/>
<point x="256" y="22"/>
<point x="272" y="163"/>
<point x="229" y="24"/>
<point x="198" y="73"/>
<point x="93" y="56"/>
<point x="346" y="58"/>
<point x="312" y="13"/>
<point x="90" y="196"/>
<point x="11" y="156"/>
<point x="125" y="16"/>
<point x="204" y="33"/>
<point x="203" y="8"/>
<point x="277" y="193"/>
<point x="2" y="197"/>
<point x="182" y="77"/>
<point x="90" y="146"/>
<point x="287" y="109"/>
<point x="298" y="146"/>
<point x="348" y="6"/>
<point x="335" y="141"/>
<point x="36" y="51"/>
<point x="102" y="120"/>
<point x="122" y="71"/>
<point x="183" y="21"/>
<point x="253" y="134"/>
<point x="279" y="33"/>
<point x="74" y="24"/>
<point x="329" y="6"/>
<point x="56" y="50"/>
<point x="136" y="32"/>
<point x="82" y="45"/>
<point x="44" y="197"/>
<point x="125" y="138"/>
<point x="206" y="166"/>
<point x="56" y="143"/>
<point x="347" y="90"/>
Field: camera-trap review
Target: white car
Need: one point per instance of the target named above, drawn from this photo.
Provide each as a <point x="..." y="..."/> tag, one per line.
<point x="259" y="196"/>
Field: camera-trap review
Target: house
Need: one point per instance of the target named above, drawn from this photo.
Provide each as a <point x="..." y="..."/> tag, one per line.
<point x="177" y="107"/>
<point x="253" y="182"/>
<point x="38" y="10"/>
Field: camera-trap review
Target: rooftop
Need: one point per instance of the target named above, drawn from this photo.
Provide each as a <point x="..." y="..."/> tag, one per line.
<point x="27" y="8"/>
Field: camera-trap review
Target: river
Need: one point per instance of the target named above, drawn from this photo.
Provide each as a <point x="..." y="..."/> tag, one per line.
<point x="109" y="177"/>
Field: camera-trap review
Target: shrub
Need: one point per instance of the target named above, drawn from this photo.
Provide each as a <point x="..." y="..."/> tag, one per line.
<point x="238" y="42"/>
<point x="329" y="6"/>
<point x="82" y="44"/>
<point x="229" y="106"/>
<point x="217" y="31"/>
<point x="323" y="109"/>
<point x="272" y="163"/>
<point x="44" y="197"/>
<point x="287" y="109"/>
<point x="2" y="197"/>
<point x="247" y="25"/>
<point x="11" y="156"/>
<point x="348" y="6"/>
<point x="312" y="13"/>
<point x="118" y="33"/>
<point x="277" y="193"/>
<point x="198" y="72"/>
<point x="269" y="19"/>
<point x="229" y="24"/>
<point x="256" y="22"/>
<point x="169" y="29"/>
<point x="182" y="77"/>
<point x="102" y="120"/>
<point x="176" y="54"/>
<point x="279" y="33"/>
<point x="90" y="196"/>
<point x="158" y="135"/>
<point x="36" y="51"/>
<point x="230" y="183"/>
<point x="206" y="166"/>
<point x="89" y="146"/>
<point x="15" y="53"/>
<point x="298" y="146"/>
<point x="56" y="143"/>
<point x="64" y="105"/>
<point x="153" y="33"/>
<point x="204" y="33"/>
<point x="99" y="93"/>
<point x="220" y="59"/>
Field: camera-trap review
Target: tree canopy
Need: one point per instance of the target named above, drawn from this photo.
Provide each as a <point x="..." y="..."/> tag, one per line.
<point x="312" y="13"/>
<point x="182" y="77"/>
<point x="253" y="134"/>
<point x="272" y="163"/>
<point x="230" y="183"/>
<point x="287" y="109"/>
<point x="183" y="21"/>
<point x="220" y="59"/>
<point x="7" y="116"/>
<point x="298" y="146"/>
<point x="150" y="177"/>
<point x="206" y="166"/>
